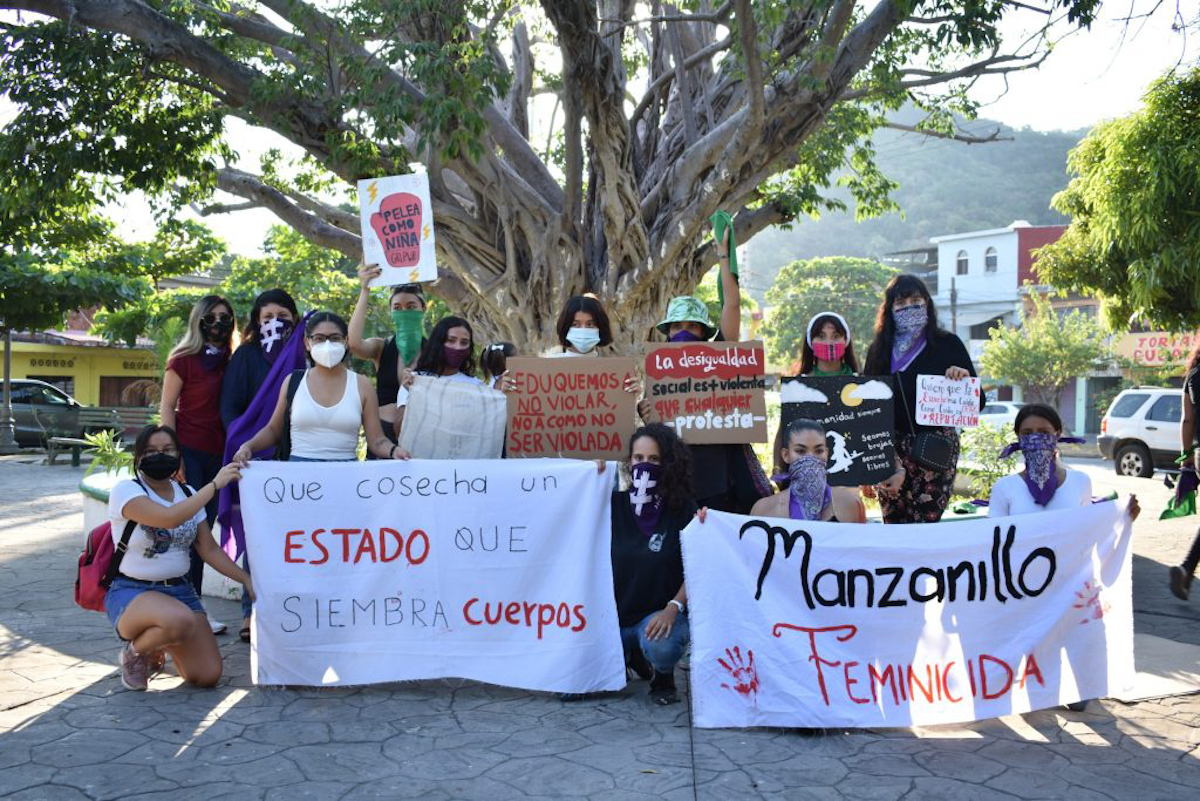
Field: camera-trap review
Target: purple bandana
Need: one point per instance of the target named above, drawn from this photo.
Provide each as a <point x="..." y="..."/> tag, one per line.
<point x="272" y="335"/>
<point x="684" y="336"/>
<point x="910" y="335"/>
<point x="213" y="357"/>
<point x="1041" y="461"/>
<point x="644" y="497"/>
<point x="808" y="488"/>
<point x="289" y="357"/>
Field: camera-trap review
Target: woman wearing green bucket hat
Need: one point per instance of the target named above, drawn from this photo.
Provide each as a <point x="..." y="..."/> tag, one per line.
<point x="728" y="478"/>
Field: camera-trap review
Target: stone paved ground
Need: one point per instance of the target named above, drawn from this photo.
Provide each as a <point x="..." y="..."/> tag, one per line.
<point x="68" y="730"/>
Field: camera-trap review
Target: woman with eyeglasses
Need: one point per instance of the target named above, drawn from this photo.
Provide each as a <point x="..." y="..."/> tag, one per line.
<point x="328" y="407"/>
<point x="151" y="603"/>
<point x="394" y="356"/>
<point x="189" y="405"/>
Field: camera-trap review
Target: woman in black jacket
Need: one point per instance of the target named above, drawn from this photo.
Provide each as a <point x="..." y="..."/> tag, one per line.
<point x="909" y="343"/>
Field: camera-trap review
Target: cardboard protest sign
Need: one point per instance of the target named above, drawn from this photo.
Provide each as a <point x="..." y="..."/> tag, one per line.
<point x="858" y="414"/>
<point x="392" y="571"/>
<point x="797" y="623"/>
<point x="709" y="392"/>
<point x="397" y="228"/>
<point x="575" y="408"/>
<point x="449" y="419"/>
<point x="946" y="403"/>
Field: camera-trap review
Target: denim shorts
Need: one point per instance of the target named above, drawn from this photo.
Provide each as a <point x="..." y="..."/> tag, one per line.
<point x="123" y="590"/>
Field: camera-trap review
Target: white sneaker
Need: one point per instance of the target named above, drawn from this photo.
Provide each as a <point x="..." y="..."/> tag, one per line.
<point x="217" y="626"/>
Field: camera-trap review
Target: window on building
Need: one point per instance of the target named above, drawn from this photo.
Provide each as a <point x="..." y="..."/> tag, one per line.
<point x="990" y="260"/>
<point x="960" y="264"/>
<point x="982" y="330"/>
<point x="1167" y="409"/>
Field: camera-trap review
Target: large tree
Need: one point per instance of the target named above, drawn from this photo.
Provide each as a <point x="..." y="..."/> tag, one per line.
<point x="1134" y="203"/>
<point x="663" y="114"/>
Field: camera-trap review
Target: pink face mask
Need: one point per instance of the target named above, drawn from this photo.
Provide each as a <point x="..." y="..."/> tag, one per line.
<point x="829" y="351"/>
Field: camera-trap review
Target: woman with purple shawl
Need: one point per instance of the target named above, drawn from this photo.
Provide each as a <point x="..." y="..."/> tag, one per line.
<point x="800" y="471"/>
<point x="909" y="343"/>
<point x="1045" y="483"/>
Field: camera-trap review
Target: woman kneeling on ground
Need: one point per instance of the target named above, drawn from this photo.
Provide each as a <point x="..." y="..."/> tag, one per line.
<point x="151" y="603"/>
<point x="647" y="558"/>
<point x="801" y="459"/>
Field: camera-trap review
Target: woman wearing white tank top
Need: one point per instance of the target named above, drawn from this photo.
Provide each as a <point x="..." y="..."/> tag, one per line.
<point x="331" y="404"/>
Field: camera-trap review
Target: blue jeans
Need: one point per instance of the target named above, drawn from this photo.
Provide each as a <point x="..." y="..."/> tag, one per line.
<point x="662" y="654"/>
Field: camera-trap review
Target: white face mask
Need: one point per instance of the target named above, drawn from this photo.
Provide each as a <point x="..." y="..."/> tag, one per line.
<point x="584" y="339"/>
<point x="328" y="354"/>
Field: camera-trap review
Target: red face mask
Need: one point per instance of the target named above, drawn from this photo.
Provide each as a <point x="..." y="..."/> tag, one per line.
<point x="829" y="351"/>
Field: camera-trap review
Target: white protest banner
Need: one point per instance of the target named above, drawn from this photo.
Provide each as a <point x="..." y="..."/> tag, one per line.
<point x="451" y="419"/>
<point x="946" y="403"/>
<point x="833" y="625"/>
<point x="397" y="228"/>
<point x="497" y="571"/>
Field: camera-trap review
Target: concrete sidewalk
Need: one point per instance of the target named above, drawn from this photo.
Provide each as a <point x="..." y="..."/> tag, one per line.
<point x="69" y="730"/>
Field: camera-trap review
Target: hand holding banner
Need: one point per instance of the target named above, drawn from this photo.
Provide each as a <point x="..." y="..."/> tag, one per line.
<point x="388" y="571"/>
<point x="822" y="624"/>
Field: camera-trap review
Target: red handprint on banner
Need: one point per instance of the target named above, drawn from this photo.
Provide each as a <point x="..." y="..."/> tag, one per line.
<point x="743" y="672"/>
<point x="1089" y="601"/>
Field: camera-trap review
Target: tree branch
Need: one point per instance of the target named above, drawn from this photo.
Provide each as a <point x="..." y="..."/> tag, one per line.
<point x="994" y="136"/>
<point x="720" y="15"/>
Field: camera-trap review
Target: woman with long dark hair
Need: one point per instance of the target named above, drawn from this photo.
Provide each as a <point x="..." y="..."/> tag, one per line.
<point x="448" y="352"/>
<point x="647" y="557"/>
<point x="908" y="342"/>
<point x="804" y="493"/>
<point x="151" y="603"/>
<point x="329" y="407"/>
<point x="582" y="328"/>
<point x="827" y="349"/>
<point x="273" y="317"/>
<point x="1180" y="576"/>
<point x="192" y="381"/>
<point x="393" y="356"/>
<point x="271" y="321"/>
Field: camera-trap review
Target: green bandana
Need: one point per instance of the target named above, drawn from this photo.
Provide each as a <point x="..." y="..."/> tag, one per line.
<point x="410" y="330"/>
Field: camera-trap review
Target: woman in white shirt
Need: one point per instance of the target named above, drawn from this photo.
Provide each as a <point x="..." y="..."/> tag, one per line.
<point x="331" y="404"/>
<point x="1044" y="484"/>
<point x="151" y="603"/>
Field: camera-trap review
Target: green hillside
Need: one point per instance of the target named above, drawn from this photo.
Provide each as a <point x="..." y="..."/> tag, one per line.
<point x="945" y="187"/>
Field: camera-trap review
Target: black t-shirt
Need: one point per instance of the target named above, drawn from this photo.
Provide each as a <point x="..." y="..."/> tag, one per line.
<point x="647" y="571"/>
<point x="1191" y="394"/>
<point x="940" y="354"/>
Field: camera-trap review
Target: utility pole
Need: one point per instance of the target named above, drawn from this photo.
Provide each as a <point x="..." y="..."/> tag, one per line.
<point x="8" y="442"/>
<point x="953" y="307"/>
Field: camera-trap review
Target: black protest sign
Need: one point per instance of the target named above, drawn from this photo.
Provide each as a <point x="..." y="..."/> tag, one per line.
<point x="858" y="415"/>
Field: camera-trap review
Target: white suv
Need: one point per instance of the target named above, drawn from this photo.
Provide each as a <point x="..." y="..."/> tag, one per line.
<point x="1140" y="430"/>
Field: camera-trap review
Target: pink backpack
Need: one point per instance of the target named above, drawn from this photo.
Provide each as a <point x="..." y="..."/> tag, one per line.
<point x="100" y="562"/>
<point x="97" y="567"/>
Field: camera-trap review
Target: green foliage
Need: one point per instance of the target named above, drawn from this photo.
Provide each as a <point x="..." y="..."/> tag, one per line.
<point x="1134" y="203"/>
<point x="851" y="287"/>
<point x="1046" y="352"/>
<point x="108" y="453"/>
<point x="981" y="448"/>
<point x="35" y="292"/>
<point x="179" y="247"/>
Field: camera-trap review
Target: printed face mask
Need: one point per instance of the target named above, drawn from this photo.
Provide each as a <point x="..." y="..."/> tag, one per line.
<point x="584" y="340"/>
<point x="829" y="351"/>
<point x="328" y="354"/>
<point x="409" y="325"/>
<point x="910" y="319"/>
<point x="644" y="496"/>
<point x="272" y="334"/>
<point x="455" y="356"/>
<point x="1041" y="459"/>
<point x="685" y="336"/>
<point x="159" y="465"/>
<point x="808" y="487"/>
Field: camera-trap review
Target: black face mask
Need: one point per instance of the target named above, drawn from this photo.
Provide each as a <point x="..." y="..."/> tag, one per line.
<point x="159" y="465"/>
<point x="217" y="331"/>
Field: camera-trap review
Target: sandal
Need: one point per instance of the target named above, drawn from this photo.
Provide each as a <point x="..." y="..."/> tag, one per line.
<point x="244" y="634"/>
